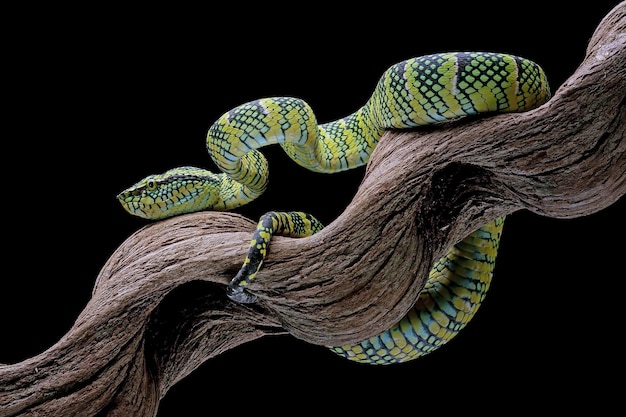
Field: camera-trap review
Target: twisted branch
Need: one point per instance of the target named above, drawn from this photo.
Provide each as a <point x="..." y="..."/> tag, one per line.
<point x="159" y="310"/>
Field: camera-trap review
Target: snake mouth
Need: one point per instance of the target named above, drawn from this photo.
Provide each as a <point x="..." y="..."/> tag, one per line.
<point x="134" y="206"/>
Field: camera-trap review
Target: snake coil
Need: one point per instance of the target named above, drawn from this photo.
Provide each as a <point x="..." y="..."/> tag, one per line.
<point x="419" y="91"/>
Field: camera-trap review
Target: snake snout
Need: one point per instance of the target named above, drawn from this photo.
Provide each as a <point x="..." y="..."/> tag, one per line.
<point x="128" y="193"/>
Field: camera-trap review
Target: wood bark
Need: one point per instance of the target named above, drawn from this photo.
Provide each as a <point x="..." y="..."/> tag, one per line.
<point x="159" y="309"/>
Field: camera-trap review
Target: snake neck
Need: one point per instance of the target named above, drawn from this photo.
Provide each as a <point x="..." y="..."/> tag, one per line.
<point x="234" y="194"/>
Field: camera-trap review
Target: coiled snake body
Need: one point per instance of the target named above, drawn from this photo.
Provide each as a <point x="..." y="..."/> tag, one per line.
<point x="418" y="91"/>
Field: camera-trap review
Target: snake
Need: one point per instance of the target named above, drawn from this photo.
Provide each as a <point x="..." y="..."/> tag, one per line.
<point x="419" y="91"/>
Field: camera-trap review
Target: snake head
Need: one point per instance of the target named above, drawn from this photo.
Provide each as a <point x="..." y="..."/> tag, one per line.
<point x="177" y="191"/>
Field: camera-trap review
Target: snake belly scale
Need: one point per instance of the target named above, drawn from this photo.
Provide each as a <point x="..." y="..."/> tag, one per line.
<point x="419" y="91"/>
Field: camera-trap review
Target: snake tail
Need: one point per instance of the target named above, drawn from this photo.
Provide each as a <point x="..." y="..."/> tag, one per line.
<point x="456" y="286"/>
<point x="290" y="224"/>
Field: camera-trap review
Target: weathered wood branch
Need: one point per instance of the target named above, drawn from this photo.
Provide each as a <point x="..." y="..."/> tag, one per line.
<point x="159" y="310"/>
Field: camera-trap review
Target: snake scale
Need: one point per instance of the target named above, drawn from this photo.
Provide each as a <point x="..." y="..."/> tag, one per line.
<point x="418" y="91"/>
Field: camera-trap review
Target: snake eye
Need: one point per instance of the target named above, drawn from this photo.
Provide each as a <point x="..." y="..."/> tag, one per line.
<point x="151" y="184"/>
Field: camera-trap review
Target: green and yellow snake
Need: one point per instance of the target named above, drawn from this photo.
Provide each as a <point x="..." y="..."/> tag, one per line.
<point x="418" y="91"/>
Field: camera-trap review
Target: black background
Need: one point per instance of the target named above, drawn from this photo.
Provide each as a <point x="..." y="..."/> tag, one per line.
<point x="97" y="99"/>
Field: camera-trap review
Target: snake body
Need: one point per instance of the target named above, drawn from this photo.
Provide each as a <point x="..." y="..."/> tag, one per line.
<point x="419" y="91"/>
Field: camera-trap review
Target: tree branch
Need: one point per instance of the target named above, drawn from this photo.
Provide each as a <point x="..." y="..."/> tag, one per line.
<point x="159" y="310"/>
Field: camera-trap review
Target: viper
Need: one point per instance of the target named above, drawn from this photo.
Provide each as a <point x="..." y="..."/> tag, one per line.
<point x="419" y="91"/>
